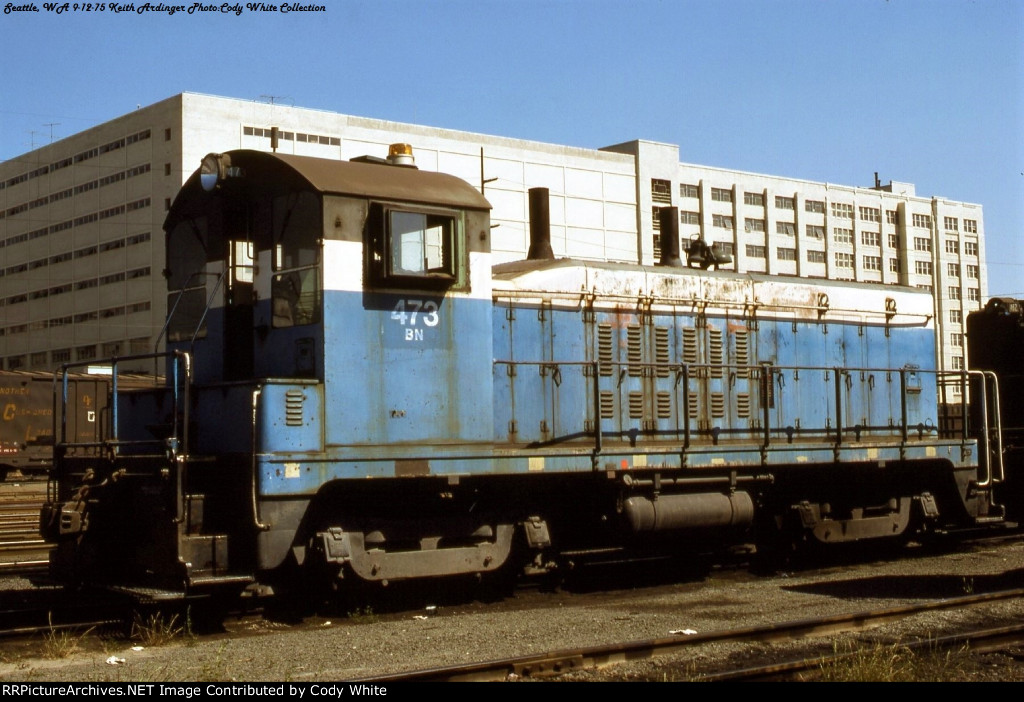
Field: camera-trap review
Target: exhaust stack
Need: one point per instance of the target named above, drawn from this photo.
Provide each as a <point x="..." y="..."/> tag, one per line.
<point x="668" y="218"/>
<point x="540" y="225"/>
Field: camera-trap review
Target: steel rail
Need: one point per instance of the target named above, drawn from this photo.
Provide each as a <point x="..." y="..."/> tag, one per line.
<point x="568" y="660"/>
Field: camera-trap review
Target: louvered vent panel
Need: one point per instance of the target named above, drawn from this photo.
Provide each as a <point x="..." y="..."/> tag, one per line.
<point x="664" y="400"/>
<point x="715" y="352"/>
<point x="604" y="348"/>
<point x="661" y="351"/>
<point x="717" y="405"/>
<point x="636" y="405"/>
<point x="635" y="353"/>
<point x="689" y="345"/>
<point x="293" y="401"/>
<point x="742" y="404"/>
<point x="742" y="352"/>
<point x="607" y="404"/>
<point x="693" y="406"/>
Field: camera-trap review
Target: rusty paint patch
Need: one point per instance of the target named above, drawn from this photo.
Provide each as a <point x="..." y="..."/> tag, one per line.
<point x="291" y="470"/>
<point x="408" y="468"/>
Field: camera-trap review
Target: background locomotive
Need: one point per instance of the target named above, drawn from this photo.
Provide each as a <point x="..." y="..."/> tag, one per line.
<point x="354" y="395"/>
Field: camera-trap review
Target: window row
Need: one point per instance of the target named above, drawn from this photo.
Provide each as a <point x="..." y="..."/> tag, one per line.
<point x="293" y="136"/>
<point x="91" y="250"/>
<point x="77" y="190"/>
<point x="86" y="352"/>
<point x="77" y="222"/>
<point x="77" y="158"/>
<point x="81" y="284"/>
<point x="80" y="318"/>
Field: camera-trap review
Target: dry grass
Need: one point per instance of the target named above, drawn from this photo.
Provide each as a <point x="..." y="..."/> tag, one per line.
<point x="893" y="663"/>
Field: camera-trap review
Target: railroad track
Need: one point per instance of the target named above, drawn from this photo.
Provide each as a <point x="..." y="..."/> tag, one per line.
<point x="562" y="662"/>
<point x="22" y="551"/>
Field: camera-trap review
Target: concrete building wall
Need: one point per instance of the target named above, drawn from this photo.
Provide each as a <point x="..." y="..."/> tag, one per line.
<point x="882" y="234"/>
<point x="81" y="245"/>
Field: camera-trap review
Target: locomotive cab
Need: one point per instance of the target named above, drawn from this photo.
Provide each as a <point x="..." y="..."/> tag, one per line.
<point x="312" y="307"/>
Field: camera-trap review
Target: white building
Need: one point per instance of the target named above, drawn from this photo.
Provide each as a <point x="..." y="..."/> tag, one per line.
<point x="81" y="251"/>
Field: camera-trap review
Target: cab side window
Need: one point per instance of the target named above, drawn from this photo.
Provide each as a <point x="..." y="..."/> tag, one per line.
<point x="296" y="295"/>
<point x="413" y="248"/>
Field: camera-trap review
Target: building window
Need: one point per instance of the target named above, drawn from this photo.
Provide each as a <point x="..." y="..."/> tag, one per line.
<point x="725" y="247"/>
<point x="923" y="267"/>
<point x="815" y="231"/>
<point x="871" y="238"/>
<point x="923" y="220"/>
<point x="953" y="270"/>
<point x="722" y="221"/>
<point x="872" y="263"/>
<point x="785" y="254"/>
<point x="661" y="191"/>
<point x="951" y="224"/>
<point x="956" y="317"/>
<point x="844" y="260"/>
<point x="869" y="214"/>
<point x="972" y="271"/>
<point x="956" y="339"/>
<point x="971" y="226"/>
<point x="922" y="243"/>
<point x="921" y="286"/>
<point x="816" y="206"/>
<point x="894" y="241"/>
<point x="687" y="190"/>
<point x="787" y="228"/>
<point x="892" y="217"/>
<point x="842" y="209"/>
<point x="755" y="199"/>
<point x="970" y="248"/>
<point x="974" y="294"/>
<point x="85" y="353"/>
<point x="754" y="251"/>
<point x="721" y="195"/>
<point x="753" y="225"/>
<point x="785" y="203"/>
<point x="815" y="256"/>
<point x="167" y="134"/>
<point x="954" y="292"/>
<point x="60" y="356"/>
<point x="15" y="362"/>
<point x="689" y="217"/>
<point x="842" y="236"/>
<point x="894" y="265"/>
<point x="952" y="246"/>
<point x="656" y="218"/>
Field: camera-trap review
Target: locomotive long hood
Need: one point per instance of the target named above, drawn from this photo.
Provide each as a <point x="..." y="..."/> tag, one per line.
<point x="760" y="295"/>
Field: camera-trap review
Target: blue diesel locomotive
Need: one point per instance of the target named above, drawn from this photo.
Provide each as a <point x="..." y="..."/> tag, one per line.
<point x="355" y="394"/>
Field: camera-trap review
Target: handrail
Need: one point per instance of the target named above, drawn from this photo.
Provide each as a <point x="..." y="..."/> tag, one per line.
<point x="174" y="307"/>
<point x="769" y="374"/>
<point x="175" y="444"/>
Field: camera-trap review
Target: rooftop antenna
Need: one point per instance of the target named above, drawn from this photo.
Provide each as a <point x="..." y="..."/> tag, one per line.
<point x="274" y="99"/>
<point x="51" y="125"/>
<point x="274" y="131"/>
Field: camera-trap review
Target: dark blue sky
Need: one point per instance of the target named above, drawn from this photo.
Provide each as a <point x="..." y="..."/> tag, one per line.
<point x="922" y="91"/>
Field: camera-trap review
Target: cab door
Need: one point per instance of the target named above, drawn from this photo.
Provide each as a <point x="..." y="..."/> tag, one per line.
<point x="238" y="311"/>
